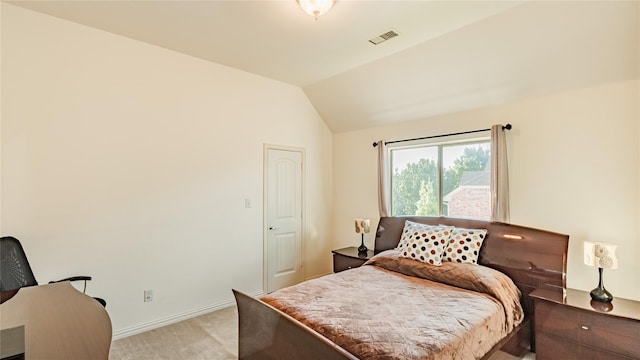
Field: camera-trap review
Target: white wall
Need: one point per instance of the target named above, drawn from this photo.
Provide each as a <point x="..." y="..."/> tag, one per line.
<point x="131" y="163"/>
<point x="574" y="162"/>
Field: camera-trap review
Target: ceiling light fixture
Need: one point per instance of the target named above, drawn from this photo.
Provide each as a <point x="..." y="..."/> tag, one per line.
<point x="316" y="8"/>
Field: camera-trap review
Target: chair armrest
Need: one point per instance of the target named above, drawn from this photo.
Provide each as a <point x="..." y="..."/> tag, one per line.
<point x="73" y="278"/>
<point x="78" y="278"/>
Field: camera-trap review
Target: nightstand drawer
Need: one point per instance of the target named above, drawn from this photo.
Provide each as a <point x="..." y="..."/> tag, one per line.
<point x="553" y="347"/>
<point x="341" y="263"/>
<point x="349" y="257"/>
<point x="608" y="333"/>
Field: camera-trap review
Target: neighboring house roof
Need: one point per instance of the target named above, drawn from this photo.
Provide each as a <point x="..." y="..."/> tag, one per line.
<point x="475" y="178"/>
<point x="471" y="178"/>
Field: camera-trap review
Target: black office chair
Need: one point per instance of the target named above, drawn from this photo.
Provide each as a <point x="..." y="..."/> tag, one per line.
<point x="16" y="273"/>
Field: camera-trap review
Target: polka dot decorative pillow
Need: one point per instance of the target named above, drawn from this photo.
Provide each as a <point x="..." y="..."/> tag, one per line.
<point x="464" y="245"/>
<point x="413" y="229"/>
<point x="424" y="243"/>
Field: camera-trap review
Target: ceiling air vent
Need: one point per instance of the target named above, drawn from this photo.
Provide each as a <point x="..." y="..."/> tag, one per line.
<point x="383" y="37"/>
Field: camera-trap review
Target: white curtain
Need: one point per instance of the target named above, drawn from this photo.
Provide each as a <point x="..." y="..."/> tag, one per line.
<point x="499" y="175"/>
<point x="383" y="180"/>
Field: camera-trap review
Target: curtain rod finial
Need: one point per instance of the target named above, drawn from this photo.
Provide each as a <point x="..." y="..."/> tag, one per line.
<point x="508" y="127"/>
<point x="375" y="144"/>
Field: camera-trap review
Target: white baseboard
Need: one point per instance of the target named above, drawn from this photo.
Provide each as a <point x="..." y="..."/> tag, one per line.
<point x="140" y="328"/>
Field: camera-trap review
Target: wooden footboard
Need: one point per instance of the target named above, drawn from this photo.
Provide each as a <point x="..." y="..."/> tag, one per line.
<point x="267" y="333"/>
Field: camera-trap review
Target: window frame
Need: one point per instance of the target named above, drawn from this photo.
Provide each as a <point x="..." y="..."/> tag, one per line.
<point x="440" y="144"/>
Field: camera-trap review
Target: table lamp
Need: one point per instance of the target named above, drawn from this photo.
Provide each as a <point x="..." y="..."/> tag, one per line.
<point x="362" y="227"/>
<point x="602" y="255"/>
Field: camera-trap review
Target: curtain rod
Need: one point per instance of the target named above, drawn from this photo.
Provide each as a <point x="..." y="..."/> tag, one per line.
<point x="507" y="127"/>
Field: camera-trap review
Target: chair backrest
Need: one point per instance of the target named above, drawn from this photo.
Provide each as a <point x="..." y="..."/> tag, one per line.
<point x="15" y="271"/>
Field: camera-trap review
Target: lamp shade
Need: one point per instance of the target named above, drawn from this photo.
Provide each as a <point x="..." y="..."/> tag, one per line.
<point x="600" y="254"/>
<point x="316" y="7"/>
<point x="363" y="226"/>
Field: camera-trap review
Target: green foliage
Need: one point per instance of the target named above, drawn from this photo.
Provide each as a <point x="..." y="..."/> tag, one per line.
<point x="406" y="185"/>
<point x="415" y="189"/>
<point x="427" y="204"/>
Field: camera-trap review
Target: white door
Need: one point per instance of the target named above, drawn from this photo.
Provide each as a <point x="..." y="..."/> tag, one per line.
<point x="283" y="218"/>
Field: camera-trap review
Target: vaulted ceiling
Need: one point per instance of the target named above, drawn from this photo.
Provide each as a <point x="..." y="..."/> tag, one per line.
<point x="449" y="56"/>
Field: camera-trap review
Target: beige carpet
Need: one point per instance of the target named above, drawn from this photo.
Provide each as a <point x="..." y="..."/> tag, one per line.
<point x="212" y="336"/>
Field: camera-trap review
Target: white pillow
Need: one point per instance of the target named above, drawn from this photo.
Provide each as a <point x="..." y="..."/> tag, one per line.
<point x="425" y="243"/>
<point x="464" y="245"/>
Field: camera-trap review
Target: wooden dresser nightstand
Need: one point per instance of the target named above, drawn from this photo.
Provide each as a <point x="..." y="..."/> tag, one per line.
<point x="574" y="327"/>
<point x="348" y="258"/>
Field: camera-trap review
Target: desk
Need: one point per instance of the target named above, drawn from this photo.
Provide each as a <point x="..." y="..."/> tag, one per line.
<point x="59" y="322"/>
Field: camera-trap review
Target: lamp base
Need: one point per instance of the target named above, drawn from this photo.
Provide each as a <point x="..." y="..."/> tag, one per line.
<point x="601" y="294"/>
<point x="601" y="306"/>
<point x="362" y="248"/>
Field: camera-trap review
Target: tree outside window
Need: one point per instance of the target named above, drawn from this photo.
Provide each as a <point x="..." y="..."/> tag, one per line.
<point x="461" y="170"/>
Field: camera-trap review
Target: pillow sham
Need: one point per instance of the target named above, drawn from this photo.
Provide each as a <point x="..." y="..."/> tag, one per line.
<point x="464" y="245"/>
<point x="424" y="243"/>
<point x="413" y="229"/>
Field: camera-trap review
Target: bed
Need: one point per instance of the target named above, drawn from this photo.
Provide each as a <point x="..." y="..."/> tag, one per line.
<point x="395" y="307"/>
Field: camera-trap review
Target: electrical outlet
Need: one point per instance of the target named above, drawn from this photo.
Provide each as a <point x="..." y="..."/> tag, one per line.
<point x="148" y="295"/>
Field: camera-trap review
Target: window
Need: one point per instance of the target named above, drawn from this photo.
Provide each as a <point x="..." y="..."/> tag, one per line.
<point x="450" y="179"/>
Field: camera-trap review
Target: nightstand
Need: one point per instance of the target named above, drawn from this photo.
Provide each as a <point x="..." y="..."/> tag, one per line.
<point x="571" y="326"/>
<point x="348" y="258"/>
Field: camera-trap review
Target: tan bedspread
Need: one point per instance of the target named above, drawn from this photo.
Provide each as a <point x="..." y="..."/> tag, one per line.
<point x="389" y="309"/>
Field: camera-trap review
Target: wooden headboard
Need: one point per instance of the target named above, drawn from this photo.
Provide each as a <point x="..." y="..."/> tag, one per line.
<point x="532" y="258"/>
